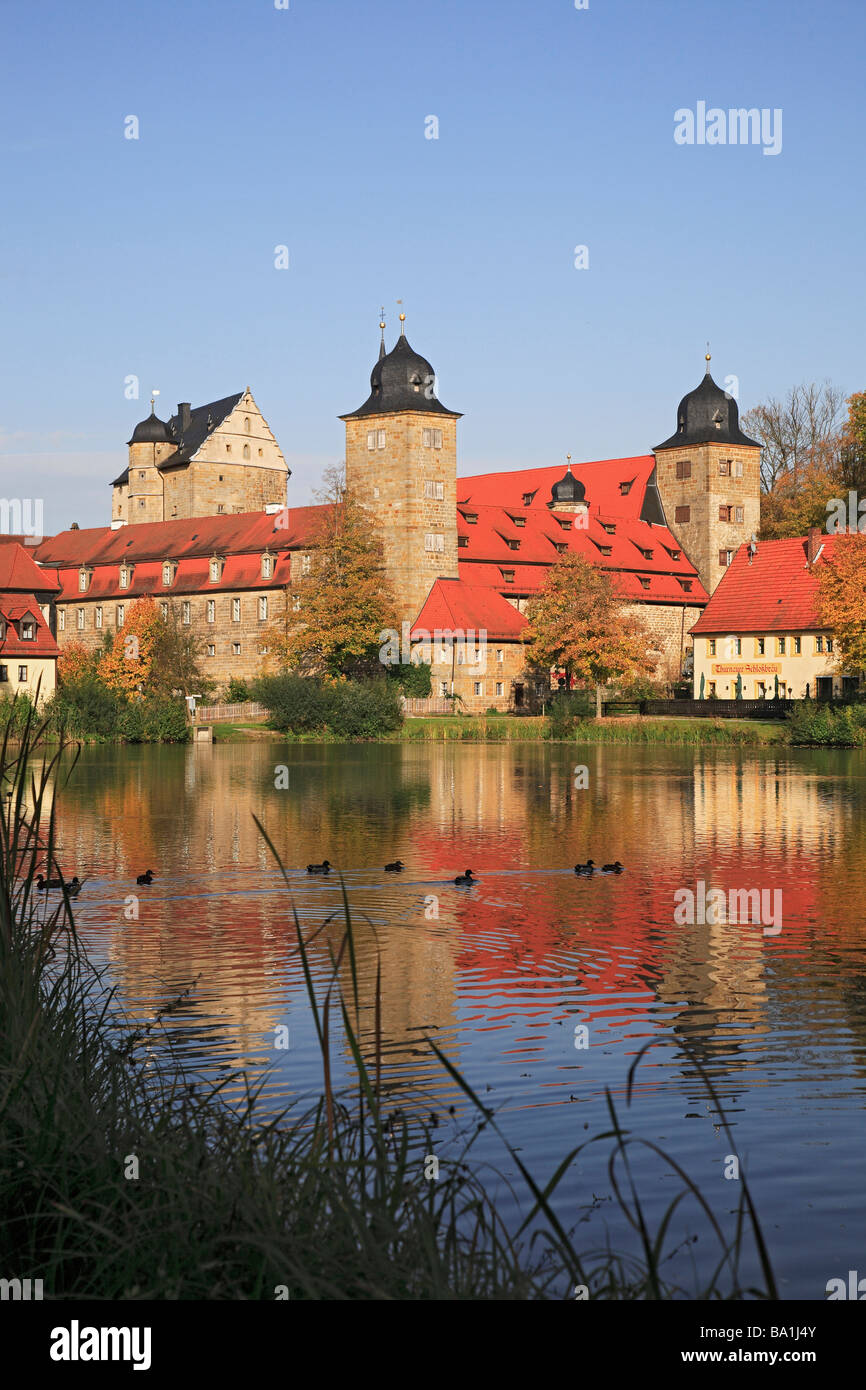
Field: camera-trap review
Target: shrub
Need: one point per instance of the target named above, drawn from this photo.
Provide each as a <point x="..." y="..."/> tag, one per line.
<point x="810" y="723"/>
<point x="412" y="678"/>
<point x="85" y="708"/>
<point x="154" y="720"/>
<point x="237" y="692"/>
<point x="347" y="709"/>
<point x="14" y="713"/>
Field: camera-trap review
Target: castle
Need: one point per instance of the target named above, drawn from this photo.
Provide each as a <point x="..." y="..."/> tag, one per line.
<point x="199" y="519"/>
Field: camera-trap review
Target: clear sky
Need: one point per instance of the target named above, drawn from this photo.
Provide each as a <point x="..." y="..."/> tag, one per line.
<point x="306" y="127"/>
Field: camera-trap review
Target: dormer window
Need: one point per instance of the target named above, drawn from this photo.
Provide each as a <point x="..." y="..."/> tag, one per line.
<point x="647" y="554"/>
<point x="215" y="568"/>
<point x="508" y="576"/>
<point x="267" y="566"/>
<point x="169" y="571"/>
<point x="28" y="630"/>
<point x="124" y="576"/>
<point x="512" y="544"/>
<point x="625" y="488"/>
<point x="527" y="498"/>
<point x="83" y="580"/>
<point x="462" y="542"/>
<point x="561" y="547"/>
<point x="471" y="518"/>
<point x="606" y="549"/>
<point x="609" y="527"/>
<point x="566" y="525"/>
<point x="674" y="554"/>
<point x="517" y="520"/>
<point x="686" y="585"/>
<point x="644" y="582"/>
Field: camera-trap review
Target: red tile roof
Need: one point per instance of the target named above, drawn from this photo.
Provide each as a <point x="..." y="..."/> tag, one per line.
<point x="776" y="592"/>
<point x="19" y="570"/>
<point x="14" y="607"/>
<point x="452" y="604"/>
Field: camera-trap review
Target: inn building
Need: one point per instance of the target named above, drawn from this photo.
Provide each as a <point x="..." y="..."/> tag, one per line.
<point x="200" y="521"/>
<point x="760" y="632"/>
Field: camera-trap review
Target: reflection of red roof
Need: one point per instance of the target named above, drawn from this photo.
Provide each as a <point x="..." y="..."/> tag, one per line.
<point x="19" y="571"/>
<point x="776" y="592"/>
<point x="453" y="604"/>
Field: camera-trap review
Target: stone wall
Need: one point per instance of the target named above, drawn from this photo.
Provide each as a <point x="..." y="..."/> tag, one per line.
<point x="668" y="626"/>
<point x="703" y="536"/>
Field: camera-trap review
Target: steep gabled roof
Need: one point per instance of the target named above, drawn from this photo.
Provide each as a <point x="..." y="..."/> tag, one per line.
<point x="19" y="572"/>
<point x="452" y="604"/>
<point x="203" y="420"/>
<point x="14" y="607"/>
<point x="775" y="592"/>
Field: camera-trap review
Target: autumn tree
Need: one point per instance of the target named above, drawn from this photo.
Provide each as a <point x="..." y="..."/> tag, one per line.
<point x="77" y="662"/>
<point x="842" y="600"/>
<point x="345" y="601"/>
<point x="579" y="622"/>
<point x="176" y="658"/>
<point x="127" y="665"/>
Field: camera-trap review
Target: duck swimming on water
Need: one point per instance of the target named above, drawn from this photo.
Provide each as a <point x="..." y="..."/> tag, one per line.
<point x="146" y="877"/>
<point x="585" y="870"/>
<point x="615" y="868"/>
<point x="396" y="868"/>
<point x="323" y="868"/>
<point x="44" y="883"/>
<point x="465" y="879"/>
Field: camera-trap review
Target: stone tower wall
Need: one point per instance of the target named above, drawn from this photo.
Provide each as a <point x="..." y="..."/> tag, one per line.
<point x="704" y="535"/>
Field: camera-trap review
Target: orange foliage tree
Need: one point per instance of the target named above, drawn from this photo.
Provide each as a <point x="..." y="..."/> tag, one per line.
<point x="127" y="665"/>
<point x="579" y="622"/>
<point x="842" y="600"/>
<point x="76" y="662"/>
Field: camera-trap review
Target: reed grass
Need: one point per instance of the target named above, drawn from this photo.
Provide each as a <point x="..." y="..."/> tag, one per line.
<point x="122" y="1178"/>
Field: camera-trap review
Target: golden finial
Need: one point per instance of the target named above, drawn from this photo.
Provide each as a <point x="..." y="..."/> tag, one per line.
<point x="707" y="357"/>
<point x="568" y="457"/>
<point x="153" y="397"/>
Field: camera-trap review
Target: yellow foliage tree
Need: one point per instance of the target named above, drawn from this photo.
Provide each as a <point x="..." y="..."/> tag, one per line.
<point x="842" y="600"/>
<point x="578" y="622"/>
<point x="127" y="665"/>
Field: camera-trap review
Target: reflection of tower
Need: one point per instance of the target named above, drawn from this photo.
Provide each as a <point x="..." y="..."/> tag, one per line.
<point x="401" y="462"/>
<point x="709" y="478"/>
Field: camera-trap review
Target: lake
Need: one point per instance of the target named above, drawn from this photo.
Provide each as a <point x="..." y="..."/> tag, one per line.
<point x="504" y="975"/>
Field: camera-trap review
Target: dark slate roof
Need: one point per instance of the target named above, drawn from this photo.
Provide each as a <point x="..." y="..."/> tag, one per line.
<point x="707" y="415"/>
<point x="651" y="507"/>
<point x="191" y="434"/>
<point x="568" y="489"/>
<point x="122" y="479"/>
<point x="150" y="431"/>
<point x="401" y="380"/>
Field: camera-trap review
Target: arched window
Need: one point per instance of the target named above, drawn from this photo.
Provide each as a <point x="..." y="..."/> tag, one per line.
<point x="246" y="424"/>
<point x="246" y="451"/>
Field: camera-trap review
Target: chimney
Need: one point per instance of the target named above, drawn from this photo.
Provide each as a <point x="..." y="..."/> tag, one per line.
<point x="183" y="416"/>
<point x="813" y="544"/>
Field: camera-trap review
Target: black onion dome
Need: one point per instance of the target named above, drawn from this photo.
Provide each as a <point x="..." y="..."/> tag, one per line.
<point x="568" y="489"/>
<point x="401" y="380"/>
<point x="151" y="431"/>
<point x="707" y="415"/>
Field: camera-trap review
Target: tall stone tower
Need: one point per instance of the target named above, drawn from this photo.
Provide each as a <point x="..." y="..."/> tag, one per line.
<point x="709" y="479"/>
<point x="401" y="463"/>
<point x="149" y="446"/>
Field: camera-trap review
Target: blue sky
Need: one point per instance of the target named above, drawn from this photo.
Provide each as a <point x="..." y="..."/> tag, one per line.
<point x="305" y="127"/>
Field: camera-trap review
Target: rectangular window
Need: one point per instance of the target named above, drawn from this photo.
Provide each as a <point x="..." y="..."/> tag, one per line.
<point x="500" y="654"/>
<point x="236" y="648"/>
<point x="28" y="631"/>
<point x="434" y="489"/>
<point x="296" y="603"/>
<point x="684" y="468"/>
<point x="80" y="619"/>
<point x="22" y="673"/>
<point x="462" y="542"/>
<point x="738" y="515"/>
<point x="737" y="468"/>
<point x="711" y="690"/>
<point x="431" y="439"/>
<point x="499" y="688"/>
<point x="380" y="439"/>
<point x="214" y="570"/>
<point x="220" y="508"/>
<point x="99" y="616"/>
<point x="263" y="609"/>
<point x="141" y="503"/>
<point x="798" y="645"/>
<point x="724" y="468"/>
<point x="443" y="687"/>
<point x="266" y="566"/>
<point x="759" y="646"/>
<point x="120" y="615"/>
<point x="187" y="613"/>
<point x="819" y="644"/>
<point x="211" y="610"/>
<point x="682" y="514"/>
<point x="781" y="641"/>
<point x="306" y="564"/>
<point x="725" y="557"/>
<point x="738" y="646"/>
<point x="711" y="643"/>
<point x="434" y="542"/>
<point x="163" y="608"/>
<point x="124" y="579"/>
<point x="236" y="610"/>
<point x="508" y="576"/>
<point x="478" y="688"/>
<point x="724" y="513"/>
<point x="263" y="651"/>
<point x="211" y="649"/>
<point x="371" y="439"/>
<point x="4" y="674"/>
<point x="61" y="620"/>
<point x="644" y="583"/>
<point x="829" y="644"/>
<point x="82" y="581"/>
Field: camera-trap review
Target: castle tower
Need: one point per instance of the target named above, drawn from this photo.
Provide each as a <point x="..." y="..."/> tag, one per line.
<point x="709" y="478"/>
<point x="401" y="463"/>
<point x="138" y="493"/>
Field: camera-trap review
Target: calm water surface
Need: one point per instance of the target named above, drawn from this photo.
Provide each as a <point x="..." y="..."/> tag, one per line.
<point x="507" y="970"/>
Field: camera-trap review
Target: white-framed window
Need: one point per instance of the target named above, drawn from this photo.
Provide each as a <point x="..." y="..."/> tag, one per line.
<point x="187" y="612"/>
<point x="267" y="566"/>
<point x="431" y="439"/>
<point x="375" y="439"/>
<point x="211" y="649"/>
<point x="61" y="619"/>
<point x="236" y="648"/>
<point x="28" y="632"/>
<point x="263" y="649"/>
<point x="166" y="574"/>
<point x="736" y="468"/>
<point x="443" y="687"/>
<point x="22" y="674"/>
<point x="306" y="564"/>
<point x="296" y="603"/>
<point x="434" y="542"/>
<point x="434" y="489"/>
<point x="81" y="620"/>
<point x="263" y="609"/>
<point x="163" y="608"/>
<point x="211" y="610"/>
<point x="98" y="616"/>
<point x="120" y="615"/>
<point x="738" y="514"/>
<point x="479" y="689"/>
<point x="236" y="610"/>
<point x="499" y="688"/>
<point x="124" y="577"/>
<point x="214" y="570"/>
<point x="82" y="581"/>
<point x="500" y="654"/>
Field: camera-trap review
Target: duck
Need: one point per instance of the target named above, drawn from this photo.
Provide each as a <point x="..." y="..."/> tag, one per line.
<point x="44" y="883"/>
<point x="585" y="870"/>
<point x="465" y="879"/>
<point x="146" y="877"/>
<point x="73" y="887"/>
<point x="615" y="868"/>
<point x="323" y="868"/>
<point x="396" y="868"/>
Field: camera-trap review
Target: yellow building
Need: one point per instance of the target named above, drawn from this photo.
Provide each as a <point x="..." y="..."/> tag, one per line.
<point x="760" y="633"/>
